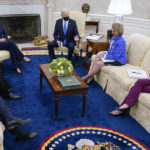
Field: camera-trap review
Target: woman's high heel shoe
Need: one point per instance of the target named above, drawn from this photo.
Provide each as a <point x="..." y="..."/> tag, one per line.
<point x="90" y="80"/>
<point x="18" y="71"/>
<point x="26" y="59"/>
<point x="119" y="114"/>
<point x="124" y="110"/>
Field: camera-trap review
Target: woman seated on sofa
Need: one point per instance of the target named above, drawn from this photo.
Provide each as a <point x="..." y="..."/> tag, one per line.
<point x="141" y="85"/>
<point x="116" y="52"/>
<point x="15" y="54"/>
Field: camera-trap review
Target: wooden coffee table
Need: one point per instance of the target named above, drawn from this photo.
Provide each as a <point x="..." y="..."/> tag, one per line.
<point x="57" y="89"/>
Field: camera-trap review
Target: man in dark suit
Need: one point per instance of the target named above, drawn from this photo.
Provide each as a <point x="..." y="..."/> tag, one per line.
<point x="13" y="124"/>
<point x="5" y="89"/>
<point x="65" y="34"/>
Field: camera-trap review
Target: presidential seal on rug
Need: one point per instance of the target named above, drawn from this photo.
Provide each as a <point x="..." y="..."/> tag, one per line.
<point x="90" y="138"/>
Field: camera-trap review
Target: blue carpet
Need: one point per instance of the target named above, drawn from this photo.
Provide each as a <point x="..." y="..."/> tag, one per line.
<point x="40" y="107"/>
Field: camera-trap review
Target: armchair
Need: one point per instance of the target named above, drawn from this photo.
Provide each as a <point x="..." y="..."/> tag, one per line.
<point x="79" y="17"/>
<point x="4" y="54"/>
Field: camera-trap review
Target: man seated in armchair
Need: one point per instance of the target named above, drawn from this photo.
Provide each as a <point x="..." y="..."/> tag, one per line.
<point x="65" y="34"/>
<point x="13" y="124"/>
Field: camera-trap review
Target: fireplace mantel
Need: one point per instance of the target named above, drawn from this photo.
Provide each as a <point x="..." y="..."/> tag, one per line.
<point x="42" y="7"/>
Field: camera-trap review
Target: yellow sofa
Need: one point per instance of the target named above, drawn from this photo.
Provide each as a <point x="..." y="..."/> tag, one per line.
<point x="116" y="83"/>
<point x="4" y="54"/>
<point x="2" y="128"/>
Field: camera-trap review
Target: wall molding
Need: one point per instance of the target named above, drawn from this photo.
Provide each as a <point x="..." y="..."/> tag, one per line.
<point x="131" y="25"/>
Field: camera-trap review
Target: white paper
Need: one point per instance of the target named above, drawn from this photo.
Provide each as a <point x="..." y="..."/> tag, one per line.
<point x="139" y="74"/>
<point x="107" y="60"/>
<point x="94" y="37"/>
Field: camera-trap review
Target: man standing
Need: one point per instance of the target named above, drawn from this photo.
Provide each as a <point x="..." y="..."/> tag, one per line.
<point x="65" y="34"/>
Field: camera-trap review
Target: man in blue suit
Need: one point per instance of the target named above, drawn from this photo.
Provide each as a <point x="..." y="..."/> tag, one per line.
<point x="65" y="34"/>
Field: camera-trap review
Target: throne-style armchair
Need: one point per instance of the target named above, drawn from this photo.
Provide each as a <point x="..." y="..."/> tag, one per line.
<point x="79" y="17"/>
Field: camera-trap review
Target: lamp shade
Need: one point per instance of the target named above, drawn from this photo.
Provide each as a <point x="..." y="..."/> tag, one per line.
<point x="120" y="7"/>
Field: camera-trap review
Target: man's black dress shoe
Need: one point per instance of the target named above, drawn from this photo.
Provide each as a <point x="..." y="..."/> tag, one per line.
<point x="12" y="96"/>
<point x="22" y="122"/>
<point x="9" y="90"/>
<point x="16" y="122"/>
<point x="27" y="136"/>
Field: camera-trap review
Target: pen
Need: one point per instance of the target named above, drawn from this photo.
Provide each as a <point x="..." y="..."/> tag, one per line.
<point x="136" y="72"/>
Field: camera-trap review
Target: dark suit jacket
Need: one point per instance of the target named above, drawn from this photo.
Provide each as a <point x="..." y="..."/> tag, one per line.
<point x="3" y="33"/>
<point x="71" y="31"/>
<point x="4" y="85"/>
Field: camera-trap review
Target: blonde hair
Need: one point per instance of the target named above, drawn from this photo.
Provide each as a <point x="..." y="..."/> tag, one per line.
<point x="118" y="29"/>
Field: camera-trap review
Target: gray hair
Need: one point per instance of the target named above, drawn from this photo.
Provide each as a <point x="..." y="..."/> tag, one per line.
<point x="64" y="9"/>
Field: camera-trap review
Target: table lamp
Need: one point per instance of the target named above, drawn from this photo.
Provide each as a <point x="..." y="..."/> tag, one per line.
<point x="119" y="8"/>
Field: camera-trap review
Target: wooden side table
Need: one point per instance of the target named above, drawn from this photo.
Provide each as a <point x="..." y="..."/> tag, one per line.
<point x="99" y="45"/>
<point x="93" y="23"/>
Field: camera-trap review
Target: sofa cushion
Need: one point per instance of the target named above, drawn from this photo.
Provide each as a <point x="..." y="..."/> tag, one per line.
<point x="139" y="45"/>
<point x="106" y="69"/>
<point x="144" y="99"/>
<point x="146" y="62"/>
<point x="119" y="74"/>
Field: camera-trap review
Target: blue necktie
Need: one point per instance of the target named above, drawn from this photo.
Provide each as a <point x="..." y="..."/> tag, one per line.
<point x="65" y="31"/>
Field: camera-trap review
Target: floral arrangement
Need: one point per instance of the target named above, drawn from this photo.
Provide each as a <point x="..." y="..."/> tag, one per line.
<point x="61" y="66"/>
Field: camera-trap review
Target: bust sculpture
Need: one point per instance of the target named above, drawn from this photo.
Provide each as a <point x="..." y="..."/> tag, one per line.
<point x="85" y="8"/>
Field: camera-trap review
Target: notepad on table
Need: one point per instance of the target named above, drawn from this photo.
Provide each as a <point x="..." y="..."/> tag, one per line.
<point x="94" y="37"/>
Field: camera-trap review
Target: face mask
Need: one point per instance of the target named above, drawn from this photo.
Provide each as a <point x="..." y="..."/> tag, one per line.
<point x="66" y="18"/>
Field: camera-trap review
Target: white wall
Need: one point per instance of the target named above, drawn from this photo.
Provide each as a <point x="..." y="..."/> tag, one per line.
<point x="139" y="21"/>
<point x="131" y="25"/>
<point x="141" y="8"/>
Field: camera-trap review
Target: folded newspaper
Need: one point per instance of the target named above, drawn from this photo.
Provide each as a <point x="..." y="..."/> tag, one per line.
<point x="139" y="74"/>
<point x="94" y="37"/>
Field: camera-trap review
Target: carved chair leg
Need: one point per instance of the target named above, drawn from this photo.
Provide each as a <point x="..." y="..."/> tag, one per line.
<point x="81" y="50"/>
<point x="76" y="60"/>
<point x="62" y="54"/>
